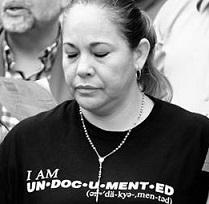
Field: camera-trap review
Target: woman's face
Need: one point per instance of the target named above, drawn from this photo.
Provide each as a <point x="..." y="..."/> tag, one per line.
<point x="98" y="63"/>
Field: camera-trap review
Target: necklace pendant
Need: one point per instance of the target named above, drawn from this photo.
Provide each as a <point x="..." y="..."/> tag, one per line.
<point x="101" y="159"/>
<point x="97" y="196"/>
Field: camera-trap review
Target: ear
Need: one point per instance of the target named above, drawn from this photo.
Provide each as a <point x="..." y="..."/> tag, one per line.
<point x="141" y="53"/>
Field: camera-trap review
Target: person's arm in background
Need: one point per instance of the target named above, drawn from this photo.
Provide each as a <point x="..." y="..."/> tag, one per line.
<point x="163" y="24"/>
<point x="160" y="25"/>
<point x="162" y="33"/>
<point x="157" y="14"/>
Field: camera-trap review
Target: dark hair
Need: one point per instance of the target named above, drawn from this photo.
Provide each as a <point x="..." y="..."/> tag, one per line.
<point x="136" y="25"/>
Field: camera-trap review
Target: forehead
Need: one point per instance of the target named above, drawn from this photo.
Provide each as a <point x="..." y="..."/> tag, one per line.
<point x="89" y="21"/>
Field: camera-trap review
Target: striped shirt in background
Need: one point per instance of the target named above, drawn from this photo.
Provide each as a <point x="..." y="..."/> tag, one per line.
<point x="46" y="58"/>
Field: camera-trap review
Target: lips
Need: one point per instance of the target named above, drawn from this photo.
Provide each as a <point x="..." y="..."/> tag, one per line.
<point x="15" y="8"/>
<point x="86" y="89"/>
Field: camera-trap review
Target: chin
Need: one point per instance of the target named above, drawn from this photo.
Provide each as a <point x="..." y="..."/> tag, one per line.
<point x="17" y="25"/>
<point x="91" y="104"/>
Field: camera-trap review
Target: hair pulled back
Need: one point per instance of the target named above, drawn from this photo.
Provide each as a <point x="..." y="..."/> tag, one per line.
<point x="136" y="25"/>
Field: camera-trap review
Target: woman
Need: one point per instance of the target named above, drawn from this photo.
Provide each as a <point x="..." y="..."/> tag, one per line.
<point x="115" y="143"/>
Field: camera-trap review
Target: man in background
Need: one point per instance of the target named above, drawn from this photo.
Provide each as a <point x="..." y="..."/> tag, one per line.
<point x="31" y="46"/>
<point x="182" y="51"/>
<point x="182" y="54"/>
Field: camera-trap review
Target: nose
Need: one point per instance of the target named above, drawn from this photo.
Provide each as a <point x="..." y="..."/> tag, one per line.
<point x="85" y="67"/>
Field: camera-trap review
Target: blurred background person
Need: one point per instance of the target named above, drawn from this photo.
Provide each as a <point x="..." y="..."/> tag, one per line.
<point x="31" y="46"/>
<point x="182" y="53"/>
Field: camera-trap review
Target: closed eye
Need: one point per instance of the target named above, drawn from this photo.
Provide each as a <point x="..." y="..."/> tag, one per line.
<point x="102" y="54"/>
<point x="73" y="55"/>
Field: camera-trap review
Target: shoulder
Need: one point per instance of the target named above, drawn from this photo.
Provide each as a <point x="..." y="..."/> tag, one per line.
<point x="55" y="115"/>
<point x="183" y="125"/>
<point x="43" y="125"/>
<point x="183" y="120"/>
<point x="175" y="110"/>
<point x="175" y="113"/>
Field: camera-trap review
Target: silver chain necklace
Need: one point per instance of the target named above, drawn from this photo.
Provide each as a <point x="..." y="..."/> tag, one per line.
<point x="102" y="158"/>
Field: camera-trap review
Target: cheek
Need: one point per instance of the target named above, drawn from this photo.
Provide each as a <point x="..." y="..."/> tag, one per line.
<point x="120" y="76"/>
<point x="119" y="72"/>
<point x="111" y="80"/>
<point x="69" y="77"/>
<point x="46" y="12"/>
<point x="69" y="72"/>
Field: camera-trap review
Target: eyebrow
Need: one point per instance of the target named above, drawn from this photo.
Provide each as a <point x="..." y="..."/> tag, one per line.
<point x="69" y="44"/>
<point x="94" y="44"/>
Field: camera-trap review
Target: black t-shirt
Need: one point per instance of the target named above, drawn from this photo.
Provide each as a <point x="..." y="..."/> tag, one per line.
<point x="47" y="159"/>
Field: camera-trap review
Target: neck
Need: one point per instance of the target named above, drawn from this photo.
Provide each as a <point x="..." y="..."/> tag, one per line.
<point x="121" y="118"/>
<point x="33" y="41"/>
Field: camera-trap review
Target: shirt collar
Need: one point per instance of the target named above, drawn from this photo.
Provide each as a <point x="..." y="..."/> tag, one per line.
<point x="47" y="58"/>
<point x="202" y="5"/>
